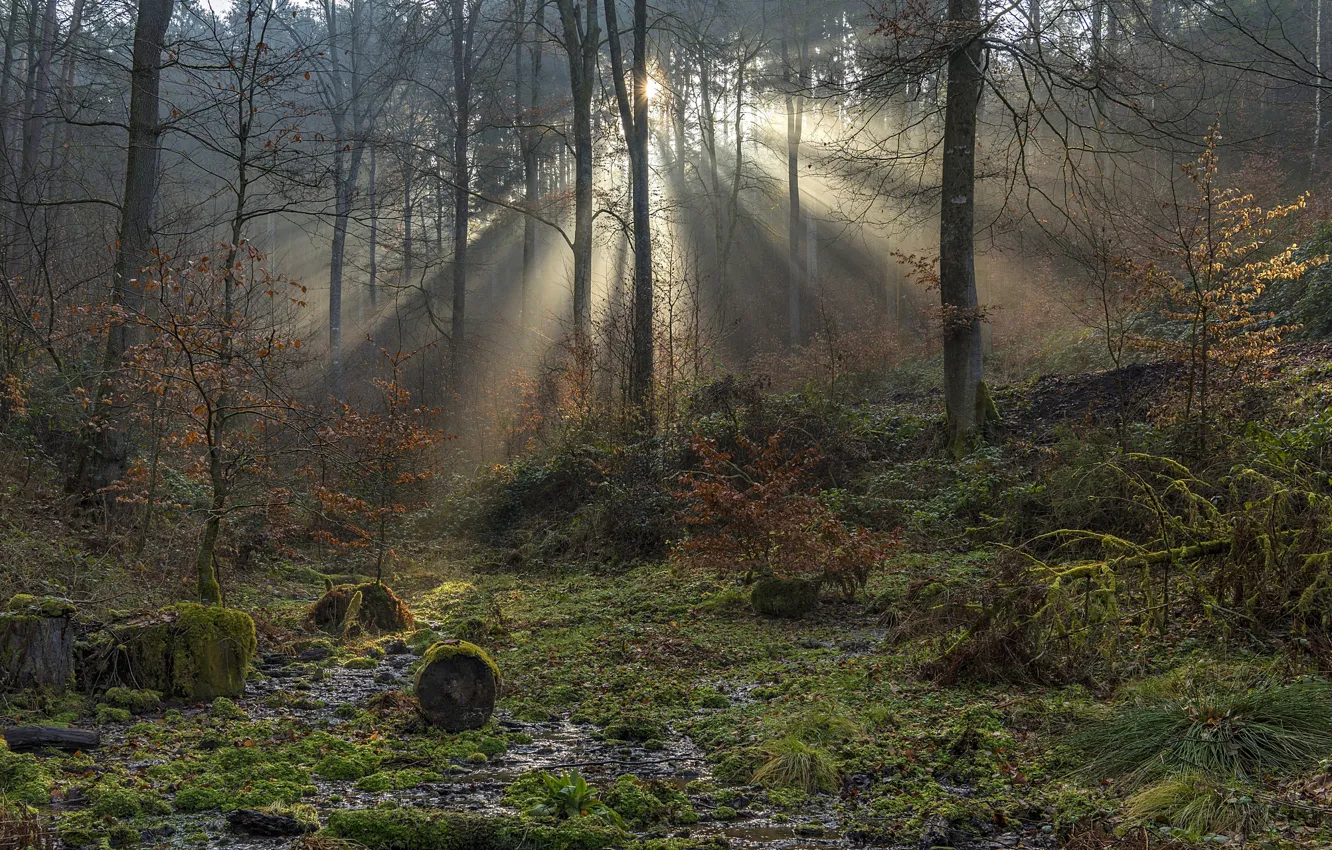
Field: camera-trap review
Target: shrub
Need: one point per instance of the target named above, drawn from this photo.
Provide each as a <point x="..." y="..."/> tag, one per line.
<point x="754" y="511"/>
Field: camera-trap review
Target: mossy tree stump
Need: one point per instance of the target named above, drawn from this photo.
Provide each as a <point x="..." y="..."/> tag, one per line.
<point x="791" y="598"/>
<point x="457" y="685"/>
<point x="186" y="651"/>
<point x="36" y="643"/>
<point x="380" y="611"/>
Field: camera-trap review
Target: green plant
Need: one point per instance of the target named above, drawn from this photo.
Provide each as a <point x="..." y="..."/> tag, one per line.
<point x="792" y="763"/>
<point x="567" y="795"/>
<point x="1197" y="805"/>
<point x="1224" y="736"/>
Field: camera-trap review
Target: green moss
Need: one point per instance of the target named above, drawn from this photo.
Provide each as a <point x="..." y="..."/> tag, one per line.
<point x="199" y="798"/>
<point x="80" y="829"/>
<point x="23" y="779"/>
<point x="725" y="813"/>
<point x="110" y="714"/>
<point x="450" y="648"/>
<point x="344" y="767"/>
<point x="42" y="606"/>
<point x="123" y="835"/>
<point x="789" y="598"/>
<point x="136" y="701"/>
<point x="634" y="727"/>
<point x="418" y="829"/>
<point x="116" y="802"/>
<point x="226" y="709"/>
<point x="709" y="698"/>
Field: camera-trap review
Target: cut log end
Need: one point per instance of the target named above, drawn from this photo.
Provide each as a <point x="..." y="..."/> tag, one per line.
<point x="457" y="686"/>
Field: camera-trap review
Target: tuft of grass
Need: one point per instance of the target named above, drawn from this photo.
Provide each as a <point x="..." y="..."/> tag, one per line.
<point x="1226" y="736"/>
<point x="824" y="725"/>
<point x="1197" y="806"/>
<point x="792" y="763"/>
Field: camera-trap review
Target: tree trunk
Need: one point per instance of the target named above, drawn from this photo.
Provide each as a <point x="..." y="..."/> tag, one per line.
<point x="967" y="400"/>
<point x="794" y="130"/>
<point x="634" y="120"/>
<point x="582" y="41"/>
<point x="105" y="458"/>
<point x="530" y="140"/>
<point x="34" y="121"/>
<point x="374" y="236"/>
<point x="462" y="202"/>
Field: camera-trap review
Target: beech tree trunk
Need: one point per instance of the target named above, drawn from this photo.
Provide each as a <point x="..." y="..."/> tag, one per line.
<point x="464" y="26"/>
<point x="634" y="120"/>
<point x="530" y="139"/>
<point x="581" y="40"/>
<point x="107" y="453"/>
<point x="967" y="400"/>
<point x="794" y="130"/>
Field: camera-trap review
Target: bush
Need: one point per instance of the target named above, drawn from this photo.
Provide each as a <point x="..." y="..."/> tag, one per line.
<point x="754" y="511"/>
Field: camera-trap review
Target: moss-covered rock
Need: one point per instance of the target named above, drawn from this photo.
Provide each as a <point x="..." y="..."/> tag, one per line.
<point x="186" y="651"/>
<point x="634" y="727"/>
<point x="36" y="643"/>
<point x="380" y="609"/>
<point x="419" y="829"/>
<point x="791" y="598"/>
<point x="457" y="685"/>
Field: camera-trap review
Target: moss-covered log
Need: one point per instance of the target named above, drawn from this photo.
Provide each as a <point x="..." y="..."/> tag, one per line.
<point x="36" y="643"/>
<point x="417" y="829"/>
<point x="380" y="610"/>
<point x="185" y="651"/>
<point x="457" y="685"/>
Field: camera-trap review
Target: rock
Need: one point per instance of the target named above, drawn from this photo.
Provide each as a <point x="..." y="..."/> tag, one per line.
<point x="791" y="598"/>
<point x="267" y="825"/>
<point x="185" y="651"/>
<point x="457" y="685"/>
<point x="315" y="653"/>
<point x="385" y="678"/>
<point x="397" y="647"/>
<point x="36" y="643"/>
<point x="380" y="610"/>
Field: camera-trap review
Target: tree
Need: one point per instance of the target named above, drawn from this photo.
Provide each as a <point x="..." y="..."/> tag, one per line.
<point x="106" y="451"/>
<point x="581" y="39"/>
<point x="634" y="122"/>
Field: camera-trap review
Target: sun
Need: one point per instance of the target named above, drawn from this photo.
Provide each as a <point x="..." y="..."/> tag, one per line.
<point x="650" y="88"/>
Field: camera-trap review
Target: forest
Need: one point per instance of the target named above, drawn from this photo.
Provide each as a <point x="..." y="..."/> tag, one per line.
<point x="673" y="425"/>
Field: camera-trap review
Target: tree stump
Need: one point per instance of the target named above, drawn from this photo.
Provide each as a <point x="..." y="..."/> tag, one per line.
<point x="36" y="643"/>
<point x="457" y="685"/>
<point x="185" y="651"/>
<point x="790" y="598"/>
<point x="380" y="609"/>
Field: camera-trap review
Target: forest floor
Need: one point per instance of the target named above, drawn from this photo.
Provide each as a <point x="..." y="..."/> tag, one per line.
<point x="652" y="683"/>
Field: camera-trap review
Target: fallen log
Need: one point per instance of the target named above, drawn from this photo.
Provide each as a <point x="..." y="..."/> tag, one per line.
<point x="26" y="738"/>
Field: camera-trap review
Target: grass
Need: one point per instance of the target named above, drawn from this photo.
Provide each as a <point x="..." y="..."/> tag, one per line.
<point x="1226" y="736"/>
<point x="1197" y="806"/>
<point x="792" y="763"/>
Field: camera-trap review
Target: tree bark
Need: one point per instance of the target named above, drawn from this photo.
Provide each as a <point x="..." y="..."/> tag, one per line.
<point x="794" y="131"/>
<point x="105" y="458"/>
<point x="464" y="26"/>
<point x="530" y="139"/>
<point x="22" y="739"/>
<point x="582" y="41"/>
<point x="634" y="120"/>
<point x="966" y="398"/>
<point x="373" y="283"/>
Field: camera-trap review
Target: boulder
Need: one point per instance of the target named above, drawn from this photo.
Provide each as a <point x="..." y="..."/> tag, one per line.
<point x="457" y="685"/>
<point x="36" y="643"/>
<point x="791" y="598"/>
<point x="380" y="609"/>
<point x="185" y="651"/>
